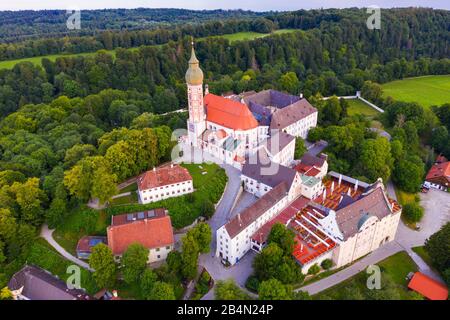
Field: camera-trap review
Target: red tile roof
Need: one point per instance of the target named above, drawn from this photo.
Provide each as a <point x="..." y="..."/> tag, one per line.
<point x="439" y="171"/>
<point x="288" y="213"/>
<point x="307" y="170"/>
<point x="428" y="287"/>
<point x="249" y="215"/>
<point x="151" y="233"/>
<point x="164" y="175"/>
<point x="229" y="113"/>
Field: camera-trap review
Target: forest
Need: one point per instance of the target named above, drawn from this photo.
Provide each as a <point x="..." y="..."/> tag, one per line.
<point x="73" y="128"/>
<point x="23" y="25"/>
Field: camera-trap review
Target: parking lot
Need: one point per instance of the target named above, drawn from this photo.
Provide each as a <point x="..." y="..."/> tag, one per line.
<point x="437" y="212"/>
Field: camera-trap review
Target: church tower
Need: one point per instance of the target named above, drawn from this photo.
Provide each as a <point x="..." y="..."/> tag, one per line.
<point x="197" y="118"/>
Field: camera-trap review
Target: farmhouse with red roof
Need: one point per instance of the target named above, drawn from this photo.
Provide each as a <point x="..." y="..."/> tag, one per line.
<point x="152" y="229"/>
<point x="439" y="175"/>
<point x="164" y="182"/>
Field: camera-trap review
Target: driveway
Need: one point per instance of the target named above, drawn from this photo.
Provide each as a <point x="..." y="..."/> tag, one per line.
<point x="47" y="234"/>
<point x="437" y="212"/>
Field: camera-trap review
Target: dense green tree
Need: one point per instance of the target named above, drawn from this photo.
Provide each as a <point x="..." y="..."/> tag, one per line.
<point x="273" y="289"/>
<point x="376" y="160"/>
<point x="440" y="140"/>
<point x="228" y="290"/>
<point x="437" y="247"/>
<point x="202" y="235"/>
<point x="290" y="83"/>
<point x="147" y="281"/>
<point x="102" y="261"/>
<point x="412" y="212"/>
<point x="408" y="173"/>
<point x="161" y="291"/>
<point x="174" y="261"/>
<point x="300" y="148"/>
<point x="189" y="256"/>
<point x="56" y="212"/>
<point x="283" y="237"/>
<point x="30" y="199"/>
<point x="332" y="111"/>
<point x="91" y="177"/>
<point x="134" y="262"/>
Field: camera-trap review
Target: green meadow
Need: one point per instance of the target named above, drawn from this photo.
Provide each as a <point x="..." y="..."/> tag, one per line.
<point x="356" y="106"/>
<point x="426" y="90"/>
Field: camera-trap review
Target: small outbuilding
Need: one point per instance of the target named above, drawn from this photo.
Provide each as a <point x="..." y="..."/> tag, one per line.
<point x="86" y="244"/>
<point x="428" y="287"/>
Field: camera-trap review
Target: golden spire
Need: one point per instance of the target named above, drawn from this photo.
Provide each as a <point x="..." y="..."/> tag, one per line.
<point x="194" y="75"/>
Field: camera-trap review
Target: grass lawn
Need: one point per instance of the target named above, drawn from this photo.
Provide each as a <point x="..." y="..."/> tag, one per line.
<point x="131" y="187"/>
<point x="405" y="197"/>
<point x="427" y="90"/>
<point x="132" y="198"/>
<point x="78" y="223"/>
<point x="395" y="267"/>
<point x="9" y="64"/>
<point x="357" y="106"/>
<point x="240" y="36"/>
<point x="185" y="209"/>
<point x="44" y="256"/>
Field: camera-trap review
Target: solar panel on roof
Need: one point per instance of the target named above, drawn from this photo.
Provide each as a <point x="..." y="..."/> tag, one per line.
<point x="140" y="215"/>
<point x="130" y="217"/>
<point x="151" y="213"/>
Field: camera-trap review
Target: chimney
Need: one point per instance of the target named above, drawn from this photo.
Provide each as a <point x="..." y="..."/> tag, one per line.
<point x="206" y="89"/>
<point x="154" y="169"/>
<point x="239" y="219"/>
<point x="171" y="166"/>
<point x="301" y="95"/>
<point x="114" y="293"/>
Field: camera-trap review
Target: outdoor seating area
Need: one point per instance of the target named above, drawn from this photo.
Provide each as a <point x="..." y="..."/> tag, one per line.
<point x="334" y="190"/>
<point x="310" y="241"/>
<point x="260" y="236"/>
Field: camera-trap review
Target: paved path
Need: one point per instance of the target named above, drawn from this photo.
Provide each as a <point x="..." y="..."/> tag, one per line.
<point x="120" y="195"/>
<point x="240" y="271"/>
<point x="47" y="234"/>
<point x="373" y="258"/>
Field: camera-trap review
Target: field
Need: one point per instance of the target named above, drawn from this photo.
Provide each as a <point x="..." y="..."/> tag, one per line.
<point x="427" y="90"/>
<point x="9" y="64"/>
<point x="239" y="36"/>
<point x="394" y="268"/>
<point x="356" y="106"/>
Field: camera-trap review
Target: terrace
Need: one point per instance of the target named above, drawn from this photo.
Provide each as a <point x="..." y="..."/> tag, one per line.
<point x="335" y="189"/>
<point x="311" y="242"/>
<point x="259" y="238"/>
